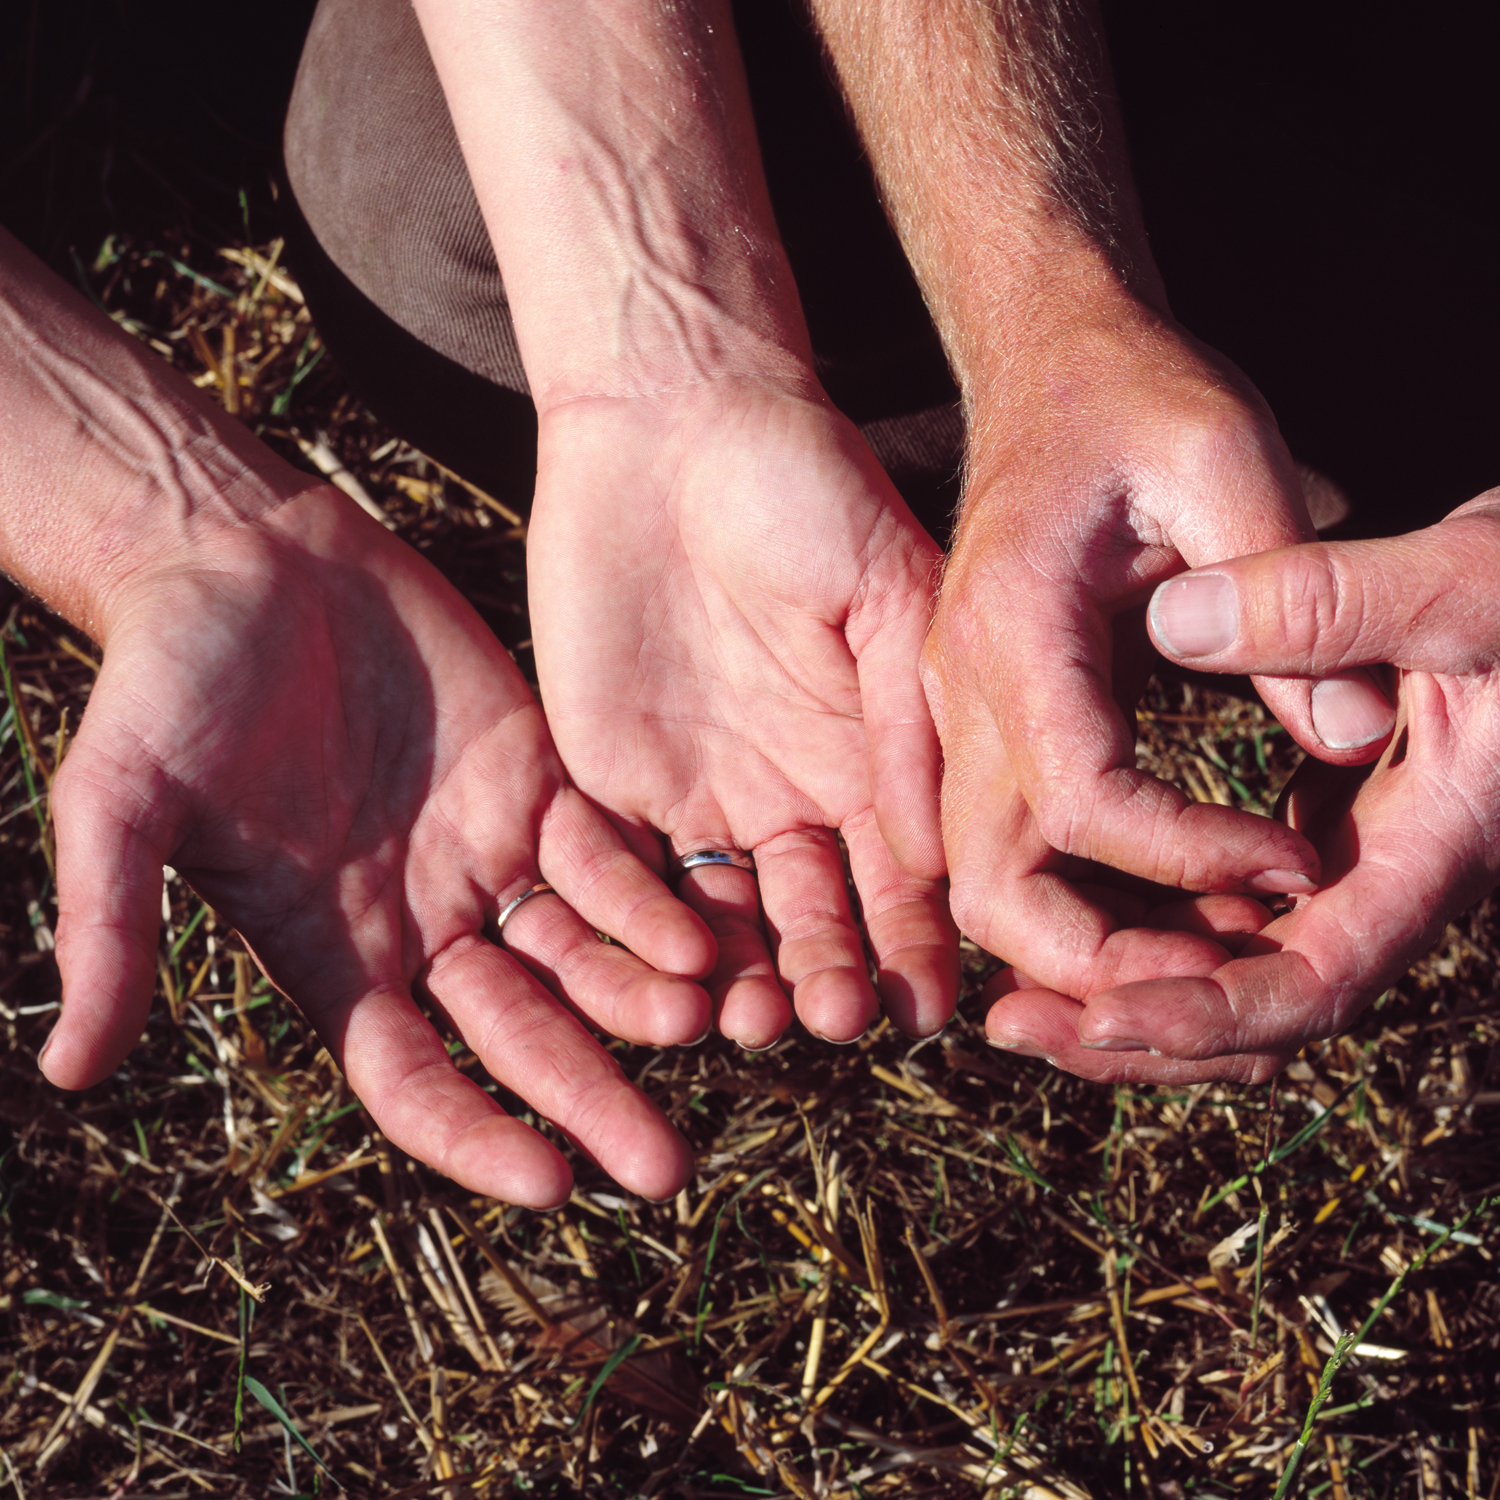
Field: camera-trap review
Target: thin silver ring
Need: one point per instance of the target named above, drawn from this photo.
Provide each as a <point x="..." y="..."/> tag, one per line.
<point x="507" y="912"/>
<point x="741" y="859"/>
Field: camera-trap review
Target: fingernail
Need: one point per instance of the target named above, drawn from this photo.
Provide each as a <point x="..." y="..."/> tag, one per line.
<point x="1350" y="711"/>
<point x="702" y="1036"/>
<point x="834" y="1041"/>
<point x="41" y="1056"/>
<point x="1116" y="1044"/>
<point x="1282" y="883"/>
<point x="927" y="1036"/>
<point x="1017" y="1049"/>
<point x="746" y="1047"/>
<point x="1197" y="615"/>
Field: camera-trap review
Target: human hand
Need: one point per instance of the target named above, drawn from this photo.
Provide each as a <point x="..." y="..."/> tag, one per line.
<point x="1421" y="840"/>
<point x="325" y="740"/>
<point x="1115" y="451"/>
<point x="728" y="600"/>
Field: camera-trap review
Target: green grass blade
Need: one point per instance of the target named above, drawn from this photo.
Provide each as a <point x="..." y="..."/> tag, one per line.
<point x="15" y="709"/>
<point x="273" y="1406"/>
<point x="187" y="932"/>
<point x="608" y="1368"/>
<point x="1318" y="1123"/>
<point x="1325" y="1385"/>
<point x="239" y="1381"/>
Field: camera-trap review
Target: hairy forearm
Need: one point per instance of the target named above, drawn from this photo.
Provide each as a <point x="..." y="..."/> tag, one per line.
<point x="110" y="462"/>
<point x="613" y="152"/>
<point x="993" y="134"/>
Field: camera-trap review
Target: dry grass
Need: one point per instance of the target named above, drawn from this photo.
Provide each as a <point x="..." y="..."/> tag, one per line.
<point x="900" y="1270"/>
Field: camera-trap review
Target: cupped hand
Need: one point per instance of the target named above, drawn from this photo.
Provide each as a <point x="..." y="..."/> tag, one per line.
<point x="1420" y="842"/>
<point x="1406" y="848"/>
<point x="728" y="602"/>
<point x="1115" y="452"/>
<point x="326" y="741"/>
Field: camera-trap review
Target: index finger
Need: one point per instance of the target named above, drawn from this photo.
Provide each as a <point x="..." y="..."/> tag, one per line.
<point x="1018" y="899"/>
<point x="1074" y="759"/>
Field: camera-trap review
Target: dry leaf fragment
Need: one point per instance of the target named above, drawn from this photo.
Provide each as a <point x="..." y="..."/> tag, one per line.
<point x="582" y="1325"/>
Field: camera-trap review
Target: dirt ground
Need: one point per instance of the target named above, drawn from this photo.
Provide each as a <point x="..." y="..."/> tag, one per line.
<point x="901" y="1270"/>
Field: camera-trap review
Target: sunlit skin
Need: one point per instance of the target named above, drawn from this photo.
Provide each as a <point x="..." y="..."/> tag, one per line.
<point x="1108" y="450"/>
<point x="728" y="596"/>
<point x="298" y="714"/>
<point x="1131" y="454"/>
<point x="1418" y="846"/>
<point x="337" y="754"/>
<point x="730" y="606"/>
<point x="730" y="657"/>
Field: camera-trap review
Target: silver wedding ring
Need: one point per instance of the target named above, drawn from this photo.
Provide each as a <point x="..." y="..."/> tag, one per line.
<point x="507" y="912"/>
<point x="741" y="859"/>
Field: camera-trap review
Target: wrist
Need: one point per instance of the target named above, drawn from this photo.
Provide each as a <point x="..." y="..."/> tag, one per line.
<point x="1036" y="304"/>
<point x="664" y="330"/>
<point x="1091" y="371"/>
<point x="125" y="516"/>
<point x="682" y="410"/>
<point x="628" y="465"/>
<point x="185" y="489"/>
<point x="110" y="463"/>
<point x="246" y="533"/>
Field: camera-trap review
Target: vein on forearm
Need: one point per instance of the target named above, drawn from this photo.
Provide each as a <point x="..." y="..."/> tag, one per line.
<point x="664" y="268"/>
<point x="108" y="460"/>
<point x="613" y="154"/>
<point x="154" y="438"/>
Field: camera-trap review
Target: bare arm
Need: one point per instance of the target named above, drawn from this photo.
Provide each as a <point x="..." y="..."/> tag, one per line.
<point x="614" y="156"/>
<point x="297" y="713"/>
<point x="995" y="141"/>
<point x="111" y="463"/>
<point x="728" y="598"/>
<point x="1107" y="450"/>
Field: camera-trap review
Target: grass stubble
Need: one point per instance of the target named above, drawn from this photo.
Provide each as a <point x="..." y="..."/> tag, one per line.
<point x="900" y="1269"/>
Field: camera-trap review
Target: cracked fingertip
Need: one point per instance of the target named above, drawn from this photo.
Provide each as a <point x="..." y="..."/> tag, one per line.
<point x="1116" y="1044"/>
<point x="1017" y="1048"/>
<point x="1282" y="883"/>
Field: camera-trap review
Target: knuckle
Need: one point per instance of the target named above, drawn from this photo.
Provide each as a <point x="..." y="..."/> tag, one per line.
<point x="594" y="1104"/>
<point x="961" y="631"/>
<point x="1315" y="606"/>
<point x="1061" y="826"/>
<point x="1065" y="804"/>
<point x="1217" y="435"/>
<point x="1262" y="1067"/>
<point x="971" y="911"/>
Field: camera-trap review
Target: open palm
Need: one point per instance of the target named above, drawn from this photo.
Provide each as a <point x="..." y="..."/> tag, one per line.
<point x="729" y="601"/>
<point x="328" y="743"/>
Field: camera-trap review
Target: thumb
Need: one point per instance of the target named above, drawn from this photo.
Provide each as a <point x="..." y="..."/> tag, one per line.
<point x="1423" y="602"/>
<point x="112" y="842"/>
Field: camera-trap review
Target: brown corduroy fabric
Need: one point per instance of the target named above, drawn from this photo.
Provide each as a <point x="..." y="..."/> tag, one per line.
<point x="375" y="165"/>
<point x="386" y="234"/>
